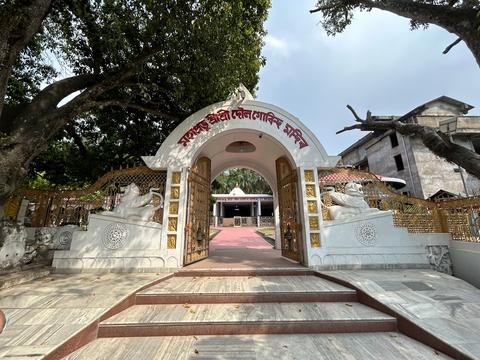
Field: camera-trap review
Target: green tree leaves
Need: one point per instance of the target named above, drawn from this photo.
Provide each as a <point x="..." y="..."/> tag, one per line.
<point x="203" y="50"/>
<point x="249" y="181"/>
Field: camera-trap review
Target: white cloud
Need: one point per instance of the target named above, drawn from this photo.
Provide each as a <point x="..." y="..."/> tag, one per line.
<point x="376" y="64"/>
<point x="276" y="45"/>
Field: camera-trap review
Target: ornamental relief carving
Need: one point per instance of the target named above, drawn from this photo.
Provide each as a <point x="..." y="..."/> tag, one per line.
<point x="309" y="176"/>
<point x="313" y="222"/>
<point x="171" y="241"/>
<point x="175" y="192"/>
<point x="439" y="258"/>
<point x="312" y="206"/>
<point x="315" y="240"/>
<point x="366" y="234"/>
<point x="310" y="191"/>
<point x="172" y="224"/>
<point x="63" y="238"/>
<point x="173" y="209"/>
<point x="176" y="176"/>
<point x="115" y="236"/>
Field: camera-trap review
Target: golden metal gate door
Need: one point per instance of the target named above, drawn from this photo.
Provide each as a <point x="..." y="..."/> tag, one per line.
<point x="197" y="230"/>
<point x="290" y="227"/>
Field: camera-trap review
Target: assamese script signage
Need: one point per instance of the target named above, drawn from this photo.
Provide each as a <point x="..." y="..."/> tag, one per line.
<point x="204" y="125"/>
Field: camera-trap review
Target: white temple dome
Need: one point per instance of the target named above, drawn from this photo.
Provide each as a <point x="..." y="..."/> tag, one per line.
<point x="236" y="191"/>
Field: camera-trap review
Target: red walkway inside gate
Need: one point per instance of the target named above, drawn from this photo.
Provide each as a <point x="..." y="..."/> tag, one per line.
<point x="243" y="237"/>
<point x="242" y="248"/>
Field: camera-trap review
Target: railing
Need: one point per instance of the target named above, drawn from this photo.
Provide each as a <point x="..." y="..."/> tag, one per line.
<point x="266" y="221"/>
<point x="460" y="217"/>
<point x="63" y="207"/>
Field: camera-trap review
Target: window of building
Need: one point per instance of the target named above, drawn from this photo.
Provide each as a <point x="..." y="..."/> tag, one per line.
<point x="363" y="165"/>
<point x="476" y="146"/>
<point x="399" y="162"/>
<point x="394" y="140"/>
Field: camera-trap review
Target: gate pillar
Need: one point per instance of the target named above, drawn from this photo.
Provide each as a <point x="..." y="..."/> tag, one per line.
<point x="174" y="215"/>
<point x="310" y="205"/>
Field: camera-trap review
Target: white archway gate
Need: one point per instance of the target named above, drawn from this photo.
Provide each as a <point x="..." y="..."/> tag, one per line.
<point x="278" y="138"/>
<point x="288" y="156"/>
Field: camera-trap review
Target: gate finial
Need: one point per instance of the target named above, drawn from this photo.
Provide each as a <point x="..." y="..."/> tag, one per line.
<point x="240" y="93"/>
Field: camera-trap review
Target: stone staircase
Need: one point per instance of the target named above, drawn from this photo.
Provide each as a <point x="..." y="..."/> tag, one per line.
<point x="289" y="313"/>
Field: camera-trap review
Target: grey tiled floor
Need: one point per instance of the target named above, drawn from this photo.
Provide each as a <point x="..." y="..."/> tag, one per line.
<point x="43" y="313"/>
<point x="442" y="304"/>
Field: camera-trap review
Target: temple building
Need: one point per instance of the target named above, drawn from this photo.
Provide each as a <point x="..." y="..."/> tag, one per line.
<point x="240" y="209"/>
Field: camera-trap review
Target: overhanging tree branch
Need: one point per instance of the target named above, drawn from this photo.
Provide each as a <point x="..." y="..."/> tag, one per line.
<point x="449" y="47"/>
<point x="435" y="140"/>
<point x="459" y="19"/>
<point x="19" y="22"/>
<point x="144" y="108"/>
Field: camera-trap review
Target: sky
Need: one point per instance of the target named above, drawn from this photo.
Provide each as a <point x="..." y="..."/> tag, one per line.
<point x="376" y="64"/>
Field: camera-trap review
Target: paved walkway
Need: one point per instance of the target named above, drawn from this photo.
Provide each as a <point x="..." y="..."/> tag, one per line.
<point x="238" y="238"/>
<point x="43" y="313"/>
<point x="242" y="248"/>
<point x="444" y="305"/>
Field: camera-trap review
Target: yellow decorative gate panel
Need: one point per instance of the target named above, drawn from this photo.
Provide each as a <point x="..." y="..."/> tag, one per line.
<point x="197" y="230"/>
<point x="290" y="226"/>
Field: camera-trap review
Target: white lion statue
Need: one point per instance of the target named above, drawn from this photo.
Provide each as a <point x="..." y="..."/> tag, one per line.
<point x="349" y="204"/>
<point x="134" y="206"/>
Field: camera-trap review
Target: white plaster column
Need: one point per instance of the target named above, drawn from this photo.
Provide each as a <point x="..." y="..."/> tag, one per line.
<point x="252" y="210"/>
<point x="215" y="214"/>
<point x="276" y="213"/>
<point x="259" y="212"/>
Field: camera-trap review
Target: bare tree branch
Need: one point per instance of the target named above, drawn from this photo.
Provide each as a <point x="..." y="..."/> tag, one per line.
<point x="435" y="140"/>
<point x="449" y="47"/>
<point x="123" y="104"/>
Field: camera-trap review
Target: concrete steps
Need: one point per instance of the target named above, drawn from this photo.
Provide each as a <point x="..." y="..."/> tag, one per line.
<point x="296" y="287"/>
<point x="292" y="313"/>
<point x="257" y="318"/>
<point x="294" y="302"/>
<point x="379" y="345"/>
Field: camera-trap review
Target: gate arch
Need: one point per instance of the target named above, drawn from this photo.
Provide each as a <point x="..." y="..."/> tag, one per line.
<point x="275" y="134"/>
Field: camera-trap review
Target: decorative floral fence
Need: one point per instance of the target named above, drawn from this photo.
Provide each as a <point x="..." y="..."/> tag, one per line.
<point x="267" y="221"/>
<point x="460" y="217"/>
<point x="64" y="207"/>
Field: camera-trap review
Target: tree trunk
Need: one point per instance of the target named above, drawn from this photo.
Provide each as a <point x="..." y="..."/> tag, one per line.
<point x="473" y="43"/>
<point x="436" y="141"/>
<point x="440" y="145"/>
<point x="18" y="25"/>
<point x="459" y="21"/>
<point x="14" y="162"/>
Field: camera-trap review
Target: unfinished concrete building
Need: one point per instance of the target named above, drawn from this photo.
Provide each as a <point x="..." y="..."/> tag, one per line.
<point x="427" y="175"/>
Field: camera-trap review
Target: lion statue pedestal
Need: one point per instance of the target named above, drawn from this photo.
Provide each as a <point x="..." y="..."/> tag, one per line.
<point x="122" y="240"/>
